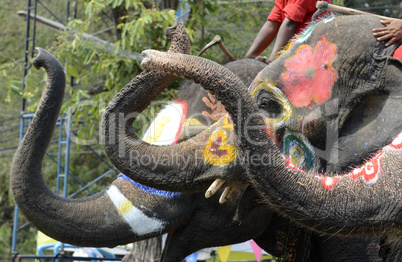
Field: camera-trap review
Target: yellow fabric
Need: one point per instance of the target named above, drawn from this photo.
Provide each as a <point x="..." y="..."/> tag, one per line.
<point x="223" y="253"/>
<point x="42" y="239"/>
<point x="241" y="256"/>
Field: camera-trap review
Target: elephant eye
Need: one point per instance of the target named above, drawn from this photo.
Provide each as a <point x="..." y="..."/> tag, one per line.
<point x="268" y="104"/>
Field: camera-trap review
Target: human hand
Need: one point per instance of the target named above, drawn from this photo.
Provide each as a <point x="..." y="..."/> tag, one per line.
<point x="392" y="31"/>
<point x="263" y="59"/>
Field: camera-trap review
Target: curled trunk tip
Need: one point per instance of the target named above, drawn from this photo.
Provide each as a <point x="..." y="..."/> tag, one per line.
<point x="46" y="60"/>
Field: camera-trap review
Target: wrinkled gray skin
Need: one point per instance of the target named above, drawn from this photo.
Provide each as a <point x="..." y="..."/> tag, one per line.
<point x="96" y="220"/>
<point x="104" y="226"/>
<point x="101" y="223"/>
<point x="366" y="76"/>
<point x="195" y="222"/>
<point x="192" y="221"/>
<point x="281" y="237"/>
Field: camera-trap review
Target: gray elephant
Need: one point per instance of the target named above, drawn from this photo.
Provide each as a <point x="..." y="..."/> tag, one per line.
<point x="129" y="211"/>
<point x="26" y="177"/>
<point x="336" y="88"/>
<point x="281" y="238"/>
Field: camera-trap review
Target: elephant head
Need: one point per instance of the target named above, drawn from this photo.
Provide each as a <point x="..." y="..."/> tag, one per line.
<point x="337" y="89"/>
<point x="280" y="236"/>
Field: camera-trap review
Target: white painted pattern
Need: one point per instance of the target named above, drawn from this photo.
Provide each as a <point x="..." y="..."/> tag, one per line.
<point x="140" y="223"/>
<point x="163" y="130"/>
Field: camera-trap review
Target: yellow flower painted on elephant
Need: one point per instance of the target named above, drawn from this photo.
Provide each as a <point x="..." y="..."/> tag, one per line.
<point x="218" y="150"/>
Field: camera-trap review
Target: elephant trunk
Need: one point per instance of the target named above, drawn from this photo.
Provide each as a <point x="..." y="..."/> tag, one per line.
<point x="222" y="83"/>
<point x="91" y="221"/>
<point x="158" y="166"/>
<point x="137" y="159"/>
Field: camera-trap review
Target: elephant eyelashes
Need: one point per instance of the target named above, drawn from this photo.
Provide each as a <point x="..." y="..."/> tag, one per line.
<point x="268" y="104"/>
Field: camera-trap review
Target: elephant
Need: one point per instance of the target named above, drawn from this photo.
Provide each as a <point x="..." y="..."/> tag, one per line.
<point x="337" y="89"/>
<point x="190" y="213"/>
<point x="26" y="169"/>
<point x="150" y="212"/>
<point x="280" y="237"/>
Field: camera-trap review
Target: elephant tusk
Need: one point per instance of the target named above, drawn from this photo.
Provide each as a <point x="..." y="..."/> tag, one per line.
<point x="226" y="194"/>
<point x="214" y="187"/>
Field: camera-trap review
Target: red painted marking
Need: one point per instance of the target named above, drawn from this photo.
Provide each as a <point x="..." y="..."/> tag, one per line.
<point x="372" y="169"/>
<point x="215" y="147"/>
<point x="183" y="119"/>
<point x="309" y="74"/>
<point x="356" y="173"/>
<point x="398" y="53"/>
<point x="397" y="142"/>
<point x="369" y="172"/>
<point x="328" y="182"/>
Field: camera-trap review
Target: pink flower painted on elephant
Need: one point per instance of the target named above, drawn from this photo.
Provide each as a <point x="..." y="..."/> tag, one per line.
<point x="309" y="74"/>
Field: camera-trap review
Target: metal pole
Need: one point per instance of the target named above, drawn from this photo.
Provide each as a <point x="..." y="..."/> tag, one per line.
<point x="22" y="122"/>
<point x="67" y="155"/>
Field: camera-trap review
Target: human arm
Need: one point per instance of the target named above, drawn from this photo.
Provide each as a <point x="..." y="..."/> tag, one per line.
<point x="286" y="32"/>
<point x="392" y="31"/>
<point x="264" y="38"/>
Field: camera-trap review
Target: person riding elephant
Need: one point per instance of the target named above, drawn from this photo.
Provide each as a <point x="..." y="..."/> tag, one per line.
<point x="286" y="19"/>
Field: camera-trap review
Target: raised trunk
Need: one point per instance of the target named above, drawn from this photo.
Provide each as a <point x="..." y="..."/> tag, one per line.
<point x="138" y="159"/>
<point x="351" y="207"/>
<point x="107" y="218"/>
